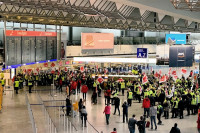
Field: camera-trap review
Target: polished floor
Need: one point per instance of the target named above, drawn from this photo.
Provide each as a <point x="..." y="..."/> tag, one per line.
<point x="14" y="116"/>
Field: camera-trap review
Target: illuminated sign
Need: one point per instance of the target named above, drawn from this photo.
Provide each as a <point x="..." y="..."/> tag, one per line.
<point x="29" y="33"/>
<point x="175" y="38"/>
<point x="97" y="40"/>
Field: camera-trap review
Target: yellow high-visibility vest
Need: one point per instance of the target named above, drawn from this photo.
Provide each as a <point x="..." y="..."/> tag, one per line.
<point x="16" y="83"/>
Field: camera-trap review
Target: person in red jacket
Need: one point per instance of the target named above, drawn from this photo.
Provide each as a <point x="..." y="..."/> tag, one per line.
<point x="146" y="106"/>
<point x="198" y="123"/>
<point x="74" y="85"/>
<point x="84" y="90"/>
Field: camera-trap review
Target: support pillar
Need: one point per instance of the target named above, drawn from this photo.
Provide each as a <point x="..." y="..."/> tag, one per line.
<point x="58" y="42"/>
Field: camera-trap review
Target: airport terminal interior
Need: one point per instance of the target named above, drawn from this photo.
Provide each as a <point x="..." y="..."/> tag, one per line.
<point x="99" y="66"/>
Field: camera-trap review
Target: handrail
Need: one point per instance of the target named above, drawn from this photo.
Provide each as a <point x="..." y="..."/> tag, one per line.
<point x="31" y="114"/>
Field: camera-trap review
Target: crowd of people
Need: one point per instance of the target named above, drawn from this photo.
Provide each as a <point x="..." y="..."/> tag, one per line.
<point x="158" y="98"/>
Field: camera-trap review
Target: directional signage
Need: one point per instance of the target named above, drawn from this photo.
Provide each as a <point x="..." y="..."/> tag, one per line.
<point x="142" y="52"/>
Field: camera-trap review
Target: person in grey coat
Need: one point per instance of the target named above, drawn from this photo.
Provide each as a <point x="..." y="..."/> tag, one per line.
<point x="153" y="113"/>
<point x="131" y="124"/>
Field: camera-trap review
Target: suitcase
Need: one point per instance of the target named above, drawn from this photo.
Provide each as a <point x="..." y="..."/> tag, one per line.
<point x="147" y="124"/>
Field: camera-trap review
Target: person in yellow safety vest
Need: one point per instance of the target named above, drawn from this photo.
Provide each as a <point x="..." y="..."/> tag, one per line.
<point x="30" y="84"/>
<point x="175" y="108"/>
<point x="138" y="94"/>
<point x="159" y="113"/>
<point x="130" y="97"/>
<point x="123" y="87"/>
<point x="113" y="96"/>
<point x="128" y="84"/>
<point x="21" y="80"/>
<point x="94" y="85"/>
<point x="16" y="85"/>
<point x="98" y="88"/>
<point x="193" y="105"/>
<point x="198" y="100"/>
<point x="2" y="75"/>
<point x="146" y="93"/>
<point x="2" y="82"/>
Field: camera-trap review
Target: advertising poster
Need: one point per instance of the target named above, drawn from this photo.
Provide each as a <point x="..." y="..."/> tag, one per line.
<point x="181" y="56"/>
<point x="162" y="54"/>
<point x="95" y="41"/>
<point x="175" y="38"/>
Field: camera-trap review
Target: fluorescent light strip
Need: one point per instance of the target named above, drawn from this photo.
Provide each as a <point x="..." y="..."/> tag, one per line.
<point x="116" y="60"/>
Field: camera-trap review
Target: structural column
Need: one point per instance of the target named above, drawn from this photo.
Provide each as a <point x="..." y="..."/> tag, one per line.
<point x="58" y="42"/>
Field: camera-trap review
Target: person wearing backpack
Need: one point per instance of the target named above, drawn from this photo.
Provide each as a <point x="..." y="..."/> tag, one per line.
<point x="159" y="113"/>
<point x="141" y="125"/>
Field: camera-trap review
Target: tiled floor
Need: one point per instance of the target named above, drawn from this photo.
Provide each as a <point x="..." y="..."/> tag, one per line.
<point x="14" y="116"/>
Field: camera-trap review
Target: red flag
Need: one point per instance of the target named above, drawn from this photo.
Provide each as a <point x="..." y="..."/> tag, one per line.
<point x="82" y="68"/>
<point x="52" y="71"/>
<point x="144" y="79"/>
<point x="37" y="69"/>
<point x="160" y="72"/>
<point x="52" y="64"/>
<point x="163" y="79"/>
<point x="60" y="63"/>
<point x="156" y="75"/>
<point x="45" y="64"/>
<point x="173" y="72"/>
<point x="175" y="77"/>
<point x="140" y="88"/>
<point x="184" y="71"/>
<point x="169" y="71"/>
<point x="29" y="71"/>
<point x="65" y="69"/>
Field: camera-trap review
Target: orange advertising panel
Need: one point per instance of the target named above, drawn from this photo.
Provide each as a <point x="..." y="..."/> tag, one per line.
<point x="97" y="40"/>
<point x="29" y="33"/>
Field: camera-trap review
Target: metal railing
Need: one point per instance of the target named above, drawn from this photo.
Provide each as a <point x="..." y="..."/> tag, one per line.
<point x="51" y="125"/>
<point x="31" y="114"/>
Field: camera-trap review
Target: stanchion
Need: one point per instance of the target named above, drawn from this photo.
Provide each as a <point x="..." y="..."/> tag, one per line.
<point x="67" y="124"/>
<point x="70" y="125"/>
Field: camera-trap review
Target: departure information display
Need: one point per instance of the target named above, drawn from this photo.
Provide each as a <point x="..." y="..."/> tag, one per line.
<point x="30" y="46"/>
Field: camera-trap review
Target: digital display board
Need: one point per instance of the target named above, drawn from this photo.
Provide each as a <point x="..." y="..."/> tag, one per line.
<point x="181" y="56"/>
<point x="30" y="46"/>
<point x="175" y="38"/>
<point x="97" y="41"/>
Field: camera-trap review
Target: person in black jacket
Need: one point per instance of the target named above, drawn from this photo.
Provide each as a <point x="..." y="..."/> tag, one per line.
<point x="141" y="124"/>
<point x="125" y="111"/>
<point x="175" y="129"/>
<point x="181" y="107"/>
<point x="117" y="103"/>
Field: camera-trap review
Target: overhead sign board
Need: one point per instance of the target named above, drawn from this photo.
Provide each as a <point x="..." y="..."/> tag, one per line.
<point x="142" y="52"/>
<point x="175" y="38"/>
<point x="97" y="41"/>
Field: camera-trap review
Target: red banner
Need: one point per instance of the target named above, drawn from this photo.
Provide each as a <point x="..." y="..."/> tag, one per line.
<point x="163" y="79"/>
<point x="45" y="64"/>
<point x="144" y="79"/>
<point x="82" y="69"/>
<point x="52" y="64"/>
<point x="173" y="72"/>
<point x="184" y="71"/>
<point x="29" y="33"/>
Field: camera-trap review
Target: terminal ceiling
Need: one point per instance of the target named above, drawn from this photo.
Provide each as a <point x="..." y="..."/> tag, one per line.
<point x="94" y="13"/>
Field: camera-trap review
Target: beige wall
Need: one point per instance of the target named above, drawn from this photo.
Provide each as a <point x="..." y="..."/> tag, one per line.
<point x="118" y="49"/>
